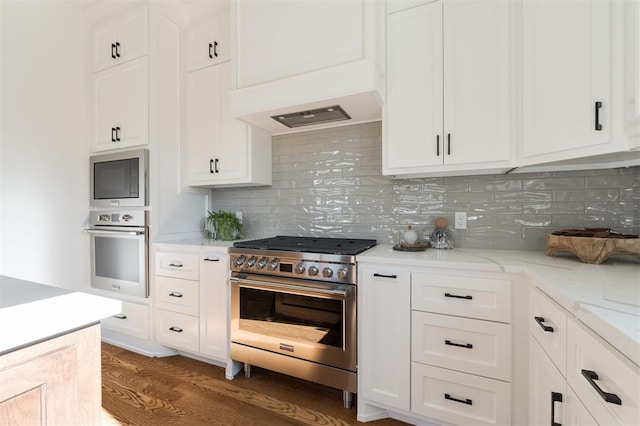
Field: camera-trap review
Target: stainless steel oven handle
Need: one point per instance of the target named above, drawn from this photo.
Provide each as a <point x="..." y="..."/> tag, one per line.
<point x="99" y="231"/>
<point x="272" y="286"/>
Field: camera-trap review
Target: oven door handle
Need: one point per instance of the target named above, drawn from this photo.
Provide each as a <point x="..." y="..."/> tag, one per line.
<point x="275" y="286"/>
<point x="114" y="232"/>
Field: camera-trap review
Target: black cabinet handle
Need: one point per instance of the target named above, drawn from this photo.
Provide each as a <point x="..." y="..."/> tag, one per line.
<point x="598" y="125"/>
<point x="175" y="294"/>
<point x="176" y="265"/>
<point x="113" y="51"/>
<point x="215" y="166"/>
<point x="120" y="316"/>
<point x="591" y="377"/>
<point x="467" y="297"/>
<point x="450" y="343"/>
<point x="462" y="401"/>
<point x="113" y="134"/>
<point x="438" y="145"/>
<point x="211" y="165"/>
<point x="117" y="134"/>
<point x="448" y="143"/>
<point x="215" y="49"/>
<point x="117" y="49"/>
<point x="394" y="276"/>
<point x="546" y="328"/>
<point x="208" y="259"/>
<point x="210" y="47"/>
<point x="555" y="397"/>
<point x="176" y="329"/>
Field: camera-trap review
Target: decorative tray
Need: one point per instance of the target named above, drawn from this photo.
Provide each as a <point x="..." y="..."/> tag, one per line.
<point x="592" y="245"/>
<point x="417" y="246"/>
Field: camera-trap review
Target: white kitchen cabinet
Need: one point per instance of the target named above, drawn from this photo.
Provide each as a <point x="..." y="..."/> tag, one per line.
<point x="133" y="321"/>
<point x="121" y="106"/>
<point x="384" y="335"/>
<point x="121" y="39"/>
<point x="279" y="39"/>
<point x="548" y="325"/>
<point x="209" y="42"/>
<point x="222" y="151"/>
<point x="214" y="305"/>
<point x="566" y="78"/>
<point x="448" y="88"/>
<point x="547" y="388"/>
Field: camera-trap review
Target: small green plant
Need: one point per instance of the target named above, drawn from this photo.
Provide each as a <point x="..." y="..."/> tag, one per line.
<point x="222" y="225"/>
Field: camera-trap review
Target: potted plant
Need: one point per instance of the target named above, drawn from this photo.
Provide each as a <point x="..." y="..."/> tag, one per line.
<point x="222" y="225"/>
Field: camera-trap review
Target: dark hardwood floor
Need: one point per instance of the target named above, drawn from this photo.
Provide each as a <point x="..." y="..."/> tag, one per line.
<point x="137" y="390"/>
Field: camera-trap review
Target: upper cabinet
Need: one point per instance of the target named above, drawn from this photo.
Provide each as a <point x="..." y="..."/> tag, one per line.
<point x="294" y="56"/>
<point x="121" y="39"/>
<point x="448" y="88"/>
<point x="208" y="42"/>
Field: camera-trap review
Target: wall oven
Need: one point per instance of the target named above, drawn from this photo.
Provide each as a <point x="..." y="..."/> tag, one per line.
<point x="293" y="308"/>
<point x="119" y="179"/>
<point x="119" y="251"/>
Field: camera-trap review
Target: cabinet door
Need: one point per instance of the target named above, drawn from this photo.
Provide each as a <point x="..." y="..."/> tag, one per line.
<point x="577" y="413"/>
<point x="566" y="54"/>
<point x="203" y="118"/>
<point x="214" y="305"/>
<point x="121" y="39"/>
<point x="413" y="131"/>
<point x="278" y="39"/>
<point x="476" y="82"/>
<point x="384" y="348"/>
<point x="133" y="103"/>
<point x="208" y="42"/>
<point x="547" y="388"/>
<point x="104" y="48"/>
<point x="105" y="95"/>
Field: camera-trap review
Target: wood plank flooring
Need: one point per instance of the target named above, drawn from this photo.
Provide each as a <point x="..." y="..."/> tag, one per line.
<point x="137" y="390"/>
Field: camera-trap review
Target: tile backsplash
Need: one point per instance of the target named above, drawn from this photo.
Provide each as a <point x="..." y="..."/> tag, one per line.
<point x="329" y="183"/>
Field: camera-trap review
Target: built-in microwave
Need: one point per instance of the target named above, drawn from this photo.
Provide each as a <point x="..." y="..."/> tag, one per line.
<point x="119" y="179"/>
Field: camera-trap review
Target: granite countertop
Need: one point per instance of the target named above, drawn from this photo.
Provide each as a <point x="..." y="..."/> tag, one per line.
<point x="605" y="297"/>
<point x="31" y="312"/>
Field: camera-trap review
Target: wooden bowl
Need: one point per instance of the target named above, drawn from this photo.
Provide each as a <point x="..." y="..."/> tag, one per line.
<point x="593" y="250"/>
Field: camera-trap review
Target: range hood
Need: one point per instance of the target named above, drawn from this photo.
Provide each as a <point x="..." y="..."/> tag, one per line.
<point x="345" y="94"/>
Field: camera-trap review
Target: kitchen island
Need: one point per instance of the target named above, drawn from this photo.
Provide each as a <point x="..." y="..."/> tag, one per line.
<point x="50" y="354"/>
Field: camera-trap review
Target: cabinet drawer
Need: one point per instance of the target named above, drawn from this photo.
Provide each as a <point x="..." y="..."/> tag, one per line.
<point x="548" y="324"/>
<point x="174" y="294"/>
<point x="132" y="321"/>
<point x="177" y="330"/>
<point x="178" y="265"/>
<point x="616" y="375"/>
<point x="459" y="398"/>
<point x="482" y="298"/>
<point x="468" y="345"/>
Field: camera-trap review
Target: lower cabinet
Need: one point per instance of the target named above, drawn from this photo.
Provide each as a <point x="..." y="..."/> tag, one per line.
<point x="133" y="321"/>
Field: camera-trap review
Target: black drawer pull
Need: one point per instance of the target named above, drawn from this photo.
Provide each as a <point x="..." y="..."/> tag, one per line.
<point x="210" y="47"/>
<point x="462" y="401"/>
<point x="394" y="276"/>
<point x="467" y="297"/>
<point x="113" y="50"/>
<point x="591" y="377"/>
<point x="215" y="49"/>
<point x="555" y="397"/>
<point x="175" y="294"/>
<point x="546" y="328"/>
<point x="117" y="49"/>
<point x="120" y="316"/>
<point x="176" y="265"/>
<point x="460" y="345"/>
<point x="438" y="145"/>
<point x="208" y="259"/>
<point x="598" y="124"/>
<point x="176" y="329"/>
<point x="113" y="134"/>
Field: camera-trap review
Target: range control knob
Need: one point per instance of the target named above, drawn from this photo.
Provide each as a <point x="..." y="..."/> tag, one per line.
<point x="300" y="268"/>
<point x="251" y="261"/>
<point x="313" y="271"/>
<point x="239" y="261"/>
<point x="327" y="272"/>
<point x="342" y="273"/>
<point x="274" y="264"/>
<point x="262" y="262"/>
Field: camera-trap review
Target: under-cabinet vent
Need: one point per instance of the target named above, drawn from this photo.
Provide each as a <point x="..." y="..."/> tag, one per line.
<point x="314" y="116"/>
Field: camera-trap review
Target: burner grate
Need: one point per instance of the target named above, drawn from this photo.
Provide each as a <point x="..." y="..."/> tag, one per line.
<point x="342" y="246"/>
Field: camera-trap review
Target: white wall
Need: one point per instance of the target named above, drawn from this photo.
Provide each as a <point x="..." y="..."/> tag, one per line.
<point x="44" y="176"/>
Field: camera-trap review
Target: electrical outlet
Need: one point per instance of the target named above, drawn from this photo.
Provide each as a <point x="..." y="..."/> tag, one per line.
<point x="461" y="220"/>
<point x="239" y="216"/>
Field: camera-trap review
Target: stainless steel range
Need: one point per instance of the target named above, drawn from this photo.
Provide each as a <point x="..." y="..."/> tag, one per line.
<point x="293" y="307"/>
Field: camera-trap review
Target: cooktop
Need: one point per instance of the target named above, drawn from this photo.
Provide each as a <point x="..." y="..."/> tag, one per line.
<point x="343" y="246"/>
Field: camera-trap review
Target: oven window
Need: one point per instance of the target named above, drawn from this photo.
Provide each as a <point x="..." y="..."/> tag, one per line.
<point x="117" y="258"/>
<point x="116" y="179"/>
<point x="303" y="318"/>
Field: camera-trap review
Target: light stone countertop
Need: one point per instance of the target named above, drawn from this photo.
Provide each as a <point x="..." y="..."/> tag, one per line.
<point x="31" y="312"/>
<point x="196" y="243"/>
<point x="605" y="297"/>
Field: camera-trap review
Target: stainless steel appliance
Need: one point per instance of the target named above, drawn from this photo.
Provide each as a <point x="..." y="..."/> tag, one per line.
<point x="119" y="179"/>
<point x="293" y="307"/>
<point x="119" y="251"/>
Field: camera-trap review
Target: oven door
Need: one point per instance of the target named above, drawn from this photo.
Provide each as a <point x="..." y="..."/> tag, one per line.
<point x="303" y="319"/>
<point x="119" y="260"/>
